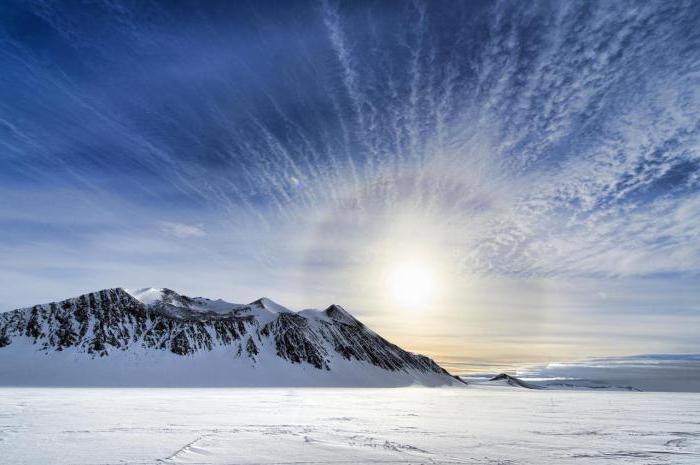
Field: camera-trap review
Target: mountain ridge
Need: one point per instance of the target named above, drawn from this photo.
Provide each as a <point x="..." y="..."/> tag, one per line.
<point x="143" y="325"/>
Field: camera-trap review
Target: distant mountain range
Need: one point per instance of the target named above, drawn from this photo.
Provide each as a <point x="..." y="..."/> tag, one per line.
<point x="506" y="380"/>
<point x="157" y="337"/>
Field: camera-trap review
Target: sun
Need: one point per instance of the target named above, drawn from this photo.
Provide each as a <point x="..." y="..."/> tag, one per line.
<point x="412" y="284"/>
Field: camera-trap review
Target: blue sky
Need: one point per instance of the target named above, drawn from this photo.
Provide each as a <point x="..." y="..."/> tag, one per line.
<point x="540" y="160"/>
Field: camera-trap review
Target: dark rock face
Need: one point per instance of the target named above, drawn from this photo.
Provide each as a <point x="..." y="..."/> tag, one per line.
<point x="251" y="348"/>
<point x="4" y="340"/>
<point x="294" y="341"/>
<point x="102" y="322"/>
<point x="109" y="320"/>
<point x="355" y="341"/>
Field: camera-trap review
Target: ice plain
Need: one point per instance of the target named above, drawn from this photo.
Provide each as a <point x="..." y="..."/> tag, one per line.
<point x="75" y="426"/>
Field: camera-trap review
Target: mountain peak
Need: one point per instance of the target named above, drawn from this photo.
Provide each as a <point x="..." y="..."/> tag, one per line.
<point x="147" y="295"/>
<point x="338" y="313"/>
<point x="271" y="305"/>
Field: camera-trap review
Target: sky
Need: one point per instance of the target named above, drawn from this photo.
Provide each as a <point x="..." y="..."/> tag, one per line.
<point x="489" y="183"/>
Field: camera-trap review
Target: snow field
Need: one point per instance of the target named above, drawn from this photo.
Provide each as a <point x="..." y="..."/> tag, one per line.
<point x="73" y="426"/>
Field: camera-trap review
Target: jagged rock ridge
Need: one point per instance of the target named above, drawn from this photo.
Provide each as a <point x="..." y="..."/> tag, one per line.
<point x="106" y="322"/>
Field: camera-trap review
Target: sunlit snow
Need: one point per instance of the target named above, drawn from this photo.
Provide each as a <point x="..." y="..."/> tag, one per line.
<point x="358" y="426"/>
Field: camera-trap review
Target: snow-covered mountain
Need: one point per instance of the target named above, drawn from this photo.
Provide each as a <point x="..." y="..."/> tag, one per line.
<point x="157" y="337"/>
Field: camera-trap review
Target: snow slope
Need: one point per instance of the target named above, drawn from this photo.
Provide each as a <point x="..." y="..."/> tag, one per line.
<point x="157" y="337"/>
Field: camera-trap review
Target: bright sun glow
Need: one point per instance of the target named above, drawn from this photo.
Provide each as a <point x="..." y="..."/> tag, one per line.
<point x="412" y="284"/>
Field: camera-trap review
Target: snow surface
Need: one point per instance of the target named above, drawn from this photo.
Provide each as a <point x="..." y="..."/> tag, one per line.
<point x="505" y="426"/>
<point x="150" y="296"/>
<point x="147" y="295"/>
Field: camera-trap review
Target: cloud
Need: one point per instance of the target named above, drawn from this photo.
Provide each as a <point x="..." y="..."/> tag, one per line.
<point x="516" y="141"/>
<point x="550" y="140"/>
<point x="181" y="230"/>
